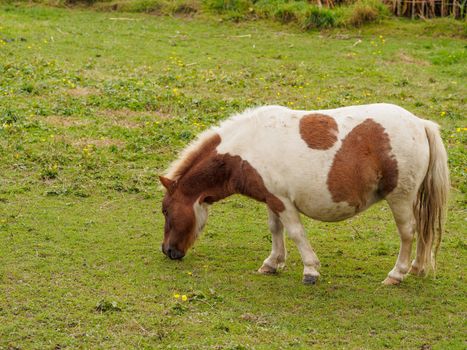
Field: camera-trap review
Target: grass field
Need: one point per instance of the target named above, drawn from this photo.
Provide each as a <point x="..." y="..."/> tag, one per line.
<point x="93" y="106"/>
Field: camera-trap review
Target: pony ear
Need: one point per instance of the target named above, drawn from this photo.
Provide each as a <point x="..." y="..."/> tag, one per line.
<point x="167" y="183"/>
<point x="205" y="198"/>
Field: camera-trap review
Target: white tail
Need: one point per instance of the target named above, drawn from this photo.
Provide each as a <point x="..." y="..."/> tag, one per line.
<point x="431" y="203"/>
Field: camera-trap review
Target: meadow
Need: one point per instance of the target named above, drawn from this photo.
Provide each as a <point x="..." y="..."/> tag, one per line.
<point x="95" y="105"/>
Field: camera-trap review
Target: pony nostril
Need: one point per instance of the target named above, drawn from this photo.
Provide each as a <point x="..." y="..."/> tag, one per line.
<point x="173" y="253"/>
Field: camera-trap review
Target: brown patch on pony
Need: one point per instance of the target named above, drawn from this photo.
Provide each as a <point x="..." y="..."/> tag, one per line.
<point x="247" y="181"/>
<point x="319" y="131"/>
<point x="215" y="176"/>
<point x="363" y="168"/>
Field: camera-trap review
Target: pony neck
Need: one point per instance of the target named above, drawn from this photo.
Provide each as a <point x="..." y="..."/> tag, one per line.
<point x="211" y="179"/>
<point x="220" y="175"/>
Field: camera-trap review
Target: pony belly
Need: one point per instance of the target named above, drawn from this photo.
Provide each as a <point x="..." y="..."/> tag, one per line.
<point x="331" y="212"/>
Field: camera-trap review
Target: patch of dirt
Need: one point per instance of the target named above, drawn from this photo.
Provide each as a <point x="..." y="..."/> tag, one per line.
<point x="66" y="122"/>
<point x="81" y="91"/>
<point x="130" y="119"/>
<point x="257" y="319"/>
<point x="98" y="142"/>
<point x="402" y="56"/>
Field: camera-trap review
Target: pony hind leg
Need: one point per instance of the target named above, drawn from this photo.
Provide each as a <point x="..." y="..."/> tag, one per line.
<point x="418" y="267"/>
<point x="402" y="211"/>
<point x="276" y="260"/>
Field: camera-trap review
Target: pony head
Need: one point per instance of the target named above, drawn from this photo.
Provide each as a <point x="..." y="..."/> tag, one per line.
<point x="185" y="218"/>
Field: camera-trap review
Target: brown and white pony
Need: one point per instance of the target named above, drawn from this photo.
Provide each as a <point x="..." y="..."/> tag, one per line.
<point x="327" y="164"/>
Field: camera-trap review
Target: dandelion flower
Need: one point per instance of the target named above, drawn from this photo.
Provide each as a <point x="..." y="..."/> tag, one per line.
<point x="184" y="297"/>
<point x="176" y="296"/>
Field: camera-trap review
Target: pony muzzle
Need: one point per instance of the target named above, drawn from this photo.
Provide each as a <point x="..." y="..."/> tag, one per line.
<point x="173" y="253"/>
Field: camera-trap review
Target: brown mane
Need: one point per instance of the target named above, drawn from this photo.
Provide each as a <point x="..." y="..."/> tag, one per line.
<point x="191" y="154"/>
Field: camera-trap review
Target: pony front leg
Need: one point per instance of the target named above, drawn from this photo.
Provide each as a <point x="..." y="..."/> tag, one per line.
<point x="291" y="220"/>
<point x="276" y="260"/>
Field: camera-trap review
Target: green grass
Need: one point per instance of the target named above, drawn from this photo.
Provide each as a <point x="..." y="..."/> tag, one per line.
<point x="93" y="108"/>
<point x="301" y="13"/>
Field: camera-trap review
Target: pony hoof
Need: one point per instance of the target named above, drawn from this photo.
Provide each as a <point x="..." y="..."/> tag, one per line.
<point x="309" y="279"/>
<point x="389" y="281"/>
<point x="416" y="272"/>
<point x="267" y="270"/>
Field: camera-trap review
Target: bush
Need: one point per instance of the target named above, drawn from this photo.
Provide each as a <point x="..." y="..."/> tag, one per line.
<point x="362" y="14"/>
<point x="147" y="6"/>
<point x="290" y="12"/>
<point x="184" y="7"/>
<point x="319" y="18"/>
<point x="299" y="12"/>
<point x="80" y="2"/>
<point x="365" y="11"/>
<point x="239" y="6"/>
<point x="285" y="15"/>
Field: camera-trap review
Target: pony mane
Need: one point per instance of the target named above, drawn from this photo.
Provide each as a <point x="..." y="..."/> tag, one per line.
<point x="189" y="155"/>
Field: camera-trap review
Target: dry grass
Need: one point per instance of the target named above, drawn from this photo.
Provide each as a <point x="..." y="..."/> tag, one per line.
<point x="66" y="121"/>
<point x="362" y="15"/>
<point x="82" y="91"/>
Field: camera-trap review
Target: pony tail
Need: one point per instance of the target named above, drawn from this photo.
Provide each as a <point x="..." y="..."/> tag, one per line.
<point x="431" y="202"/>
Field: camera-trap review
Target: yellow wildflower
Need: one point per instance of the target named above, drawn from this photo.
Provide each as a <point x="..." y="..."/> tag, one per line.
<point x="176" y="296"/>
<point x="184" y="297"/>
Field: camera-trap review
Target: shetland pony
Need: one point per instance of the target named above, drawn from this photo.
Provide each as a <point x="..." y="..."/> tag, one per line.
<point x="327" y="164"/>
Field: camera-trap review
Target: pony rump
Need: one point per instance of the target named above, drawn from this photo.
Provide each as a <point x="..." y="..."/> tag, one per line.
<point x="431" y="202"/>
